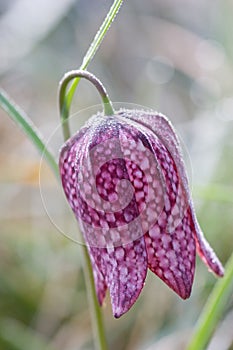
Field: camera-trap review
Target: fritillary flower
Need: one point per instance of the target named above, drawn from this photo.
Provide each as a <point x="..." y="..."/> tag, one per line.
<point x="125" y="180"/>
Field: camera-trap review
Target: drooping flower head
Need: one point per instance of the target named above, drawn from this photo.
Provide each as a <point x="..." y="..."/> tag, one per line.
<point x="125" y="180"/>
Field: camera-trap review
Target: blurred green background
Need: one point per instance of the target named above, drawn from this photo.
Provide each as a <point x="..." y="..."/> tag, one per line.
<point x="175" y="56"/>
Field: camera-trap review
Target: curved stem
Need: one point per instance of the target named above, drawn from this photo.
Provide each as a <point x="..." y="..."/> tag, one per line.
<point x="213" y="310"/>
<point x="107" y="105"/>
<point x="90" y="54"/>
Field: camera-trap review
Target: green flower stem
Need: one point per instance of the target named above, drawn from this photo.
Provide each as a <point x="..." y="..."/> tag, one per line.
<point x="89" y="55"/>
<point x="213" y="310"/>
<point x="107" y="105"/>
<point x="25" y="123"/>
<point x="97" y="319"/>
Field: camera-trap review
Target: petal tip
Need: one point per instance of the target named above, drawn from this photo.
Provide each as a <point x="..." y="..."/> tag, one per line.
<point x="119" y="311"/>
<point x="123" y="307"/>
<point x="186" y="295"/>
<point x="218" y="269"/>
<point x="222" y="272"/>
<point x="184" y="290"/>
<point x="118" y="315"/>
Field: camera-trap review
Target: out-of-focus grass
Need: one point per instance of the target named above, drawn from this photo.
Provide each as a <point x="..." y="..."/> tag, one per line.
<point x="41" y="289"/>
<point x="174" y="56"/>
